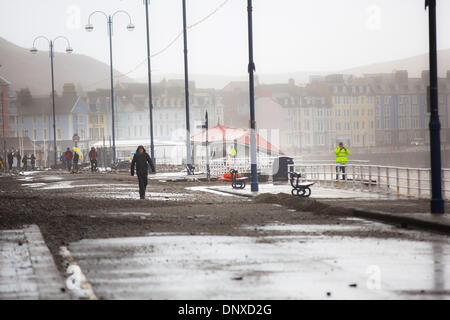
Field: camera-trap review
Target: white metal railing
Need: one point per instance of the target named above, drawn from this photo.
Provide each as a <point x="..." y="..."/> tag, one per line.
<point x="402" y="181"/>
<point x="265" y="164"/>
<point x="220" y="166"/>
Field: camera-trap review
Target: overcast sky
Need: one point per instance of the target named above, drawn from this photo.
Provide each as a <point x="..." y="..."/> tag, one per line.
<point x="289" y="35"/>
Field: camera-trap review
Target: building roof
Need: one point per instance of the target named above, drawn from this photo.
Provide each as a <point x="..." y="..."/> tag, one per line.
<point x="43" y="105"/>
<point x="236" y="85"/>
<point x="15" y="143"/>
<point x="226" y="134"/>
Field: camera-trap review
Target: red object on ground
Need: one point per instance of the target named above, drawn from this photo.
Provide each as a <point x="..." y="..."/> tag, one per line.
<point x="227" y="177"/>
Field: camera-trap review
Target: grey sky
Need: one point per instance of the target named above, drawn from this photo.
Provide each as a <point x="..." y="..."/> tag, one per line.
<point x="290" y="35"/>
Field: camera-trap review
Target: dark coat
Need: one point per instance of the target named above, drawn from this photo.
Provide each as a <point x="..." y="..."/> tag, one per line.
<point x="141" y="162"/>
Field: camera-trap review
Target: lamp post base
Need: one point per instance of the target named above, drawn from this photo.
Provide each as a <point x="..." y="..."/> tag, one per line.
<point x="437" y="206"/>
<point x="254" y="184"/>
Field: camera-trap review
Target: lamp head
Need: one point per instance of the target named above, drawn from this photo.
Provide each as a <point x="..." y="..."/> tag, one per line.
<point x="34" y="50"/>
<point x="69" y="49"/>
<point x="130" y="27"/>
<point x="89" y="27"/>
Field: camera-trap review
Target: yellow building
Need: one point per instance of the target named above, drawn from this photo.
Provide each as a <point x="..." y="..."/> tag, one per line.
<point x="354" y="114"/>
<point x="98" y="120"/>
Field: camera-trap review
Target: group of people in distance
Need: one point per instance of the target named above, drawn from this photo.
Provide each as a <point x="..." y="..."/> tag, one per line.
<point x="14" y="161"/>
<point x="71" y="159"/>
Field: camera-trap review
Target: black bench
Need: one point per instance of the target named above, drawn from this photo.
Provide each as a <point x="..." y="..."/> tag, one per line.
<point x="300" y="189"/>
<point x="190" y="171"/>
<point x="237" y="183"/>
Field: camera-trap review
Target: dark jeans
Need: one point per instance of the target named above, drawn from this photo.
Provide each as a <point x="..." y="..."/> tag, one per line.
<point x="142" y="178"/>
<point x="93" y="165"/>
<point x="69" y="165"/>
<point x="342" y="169"/>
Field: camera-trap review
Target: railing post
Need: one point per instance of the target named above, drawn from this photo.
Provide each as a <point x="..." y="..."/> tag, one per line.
<point x="324" y="175"/>
<point x="418" y="183"/>
<point x="370" y="178"/>
<point x="408" y="183"/>
<point x="378" y="179"/>
<point x="353" y="177"/>
<point x="387" y="179"/>
<point x="398" y="181"/>
<point x="361" y="177"/>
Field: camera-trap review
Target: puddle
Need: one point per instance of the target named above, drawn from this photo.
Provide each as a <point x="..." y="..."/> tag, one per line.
<point x="134" y="196"/>
<point x="28" y="173"/>
<point x="174" y="266"/>
<point x="34" y="185"/>
<point x="26" y="179"/>
<point x="59" y="185"/>
<point x="207" y="189"/>
<point x="309" y="228"/>
<point x="51" y="178"/>
<point x="144" y="214"/>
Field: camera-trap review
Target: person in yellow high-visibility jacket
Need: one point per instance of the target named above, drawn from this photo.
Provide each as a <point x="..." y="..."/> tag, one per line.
<point x="341" y="159"/>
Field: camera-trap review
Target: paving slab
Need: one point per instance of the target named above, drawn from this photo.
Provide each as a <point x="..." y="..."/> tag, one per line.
<point x="27" y="269"/>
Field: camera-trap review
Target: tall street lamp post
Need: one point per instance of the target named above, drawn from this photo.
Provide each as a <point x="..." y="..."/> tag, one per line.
<point x="34" y="50"/>
<point x="130" y="27"/>
<point x="437" y="203"/>
<point x="150" y="99"/>
<point x="186" y="93"/>
<point x="3" y="132"/>
<point x="251" y="70"/>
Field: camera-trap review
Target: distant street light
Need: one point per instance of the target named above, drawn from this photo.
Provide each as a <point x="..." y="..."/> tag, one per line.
<point x="150" y="98"/>
<point x="69" y="50"/>
<point x="130" y="27"/>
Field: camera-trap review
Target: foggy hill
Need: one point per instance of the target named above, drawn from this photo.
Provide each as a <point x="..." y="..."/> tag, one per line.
<point x="415" y="65"/>
<point x="24" y="69"/>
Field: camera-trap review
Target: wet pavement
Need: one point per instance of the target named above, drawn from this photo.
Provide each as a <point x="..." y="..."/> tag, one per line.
<point x="316" y="192"/>
<point x="195" y="240"/>
<point x="27" y="269"/>
<point x="307" y="265"/>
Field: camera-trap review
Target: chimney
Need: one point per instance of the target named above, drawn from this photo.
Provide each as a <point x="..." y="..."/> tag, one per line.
<point x="425" y="76"/>
<point x="401" y="76"/>
<point x="69" y="90"/>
